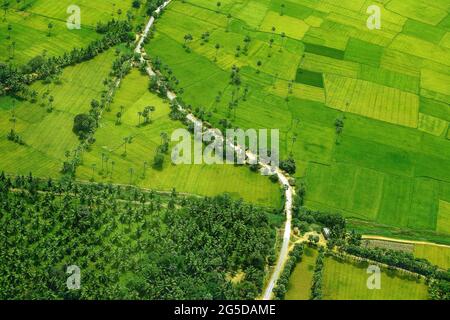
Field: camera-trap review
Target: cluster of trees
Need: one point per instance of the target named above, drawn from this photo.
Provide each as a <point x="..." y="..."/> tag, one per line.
<point x="15" y="137"/>
<point x="295" y="256"/>
<point x="84" y="125"/>
<point x="146" y="114"/>
<point x="317" y="280"/>
<point x="303" y="217"/>
<point x="164" y="80"/>
<point x="288" y="165"/>
<point x="163" y="148"/>
<point x="152" y="5"/>
<point x="339" y="126"/>
<point x="439" y="289"/>
<point x="128" y="243"/>
<point x="175" y="112"/>
<point x="11" y="80"/>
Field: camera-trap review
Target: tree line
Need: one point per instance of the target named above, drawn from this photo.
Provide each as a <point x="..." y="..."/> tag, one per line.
<point x="295" y="256"/>
<point x="15" y="80"/>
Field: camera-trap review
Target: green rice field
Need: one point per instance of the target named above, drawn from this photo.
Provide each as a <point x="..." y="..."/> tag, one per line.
<point x="311" y="62"/>
<point x="348" y="281"/>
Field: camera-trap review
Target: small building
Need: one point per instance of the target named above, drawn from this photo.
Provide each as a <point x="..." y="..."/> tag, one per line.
<point x="326" y="233"/>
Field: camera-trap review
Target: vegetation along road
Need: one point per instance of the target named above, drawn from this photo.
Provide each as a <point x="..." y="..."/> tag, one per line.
<point x="282" y="177"/>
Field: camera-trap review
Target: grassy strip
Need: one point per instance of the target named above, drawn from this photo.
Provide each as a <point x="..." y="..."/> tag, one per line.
<point x="295" y="256"/>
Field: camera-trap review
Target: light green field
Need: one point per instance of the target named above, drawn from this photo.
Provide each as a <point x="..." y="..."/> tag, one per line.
<point x="49" y="135"/>
<point x="294" y="28"/>
<point x="299" y="287"/>
<point x="30" y="27"/>
<point x="30" y="35"/>
<point x="372" y="100"/>
<point x="197" y="179"/>
<point x="91" y="12"/>
<point x="418" y="10"/>
<point x="437" y="255"/>
<point x="432" y="125"/>
<point x="348" y="281"/>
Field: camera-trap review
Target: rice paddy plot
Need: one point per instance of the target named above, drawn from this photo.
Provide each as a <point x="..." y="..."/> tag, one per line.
<point x="424" y="204"/>
<point x="401" y="62"/>
<point x="437" y="255"/>
<point x="363" y="52"/>
<point x="421" y="48"/>
<point x="393" y="122"/>
<point x="435" y="81"/>
<point x="291" y="8"/>
<point x="432" y="125"/>
<point x="355" y="191"/>
<point x="48" y="135"/>
<point x="445" y="42"/>
<point x="418" y="10"/>
<point x="372" y="100"/>
<point x="25" y="36"/>
<point x="323" y="64"/>
<point x="322" y="37"/>
<point x="443" y="218"/>
<point x="90" y="12"/>
<point x="200" y="13"/>
<point x="292" y="27"/>
<point x="347" y="280"/>
<point x="390" y="78"/>
<point x="435" y="108"/>
<point x="252" y="12"/>
<point x="301" y="91"/>
<point x="423" y="31"/>
<point x="310" y="78"/>
<point x="299" y="287"/>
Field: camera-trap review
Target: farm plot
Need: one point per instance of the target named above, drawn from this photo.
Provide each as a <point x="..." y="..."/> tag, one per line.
<point x="136" y="165"/>
<point x="443" y="220"/>
<point x="419" y="10"/>
<point x="47" y="135"/>
<point x="438" y="255"/>
<point x="372" y="100"/>
<point x="299" y="287"/>
<point x="25" y="35"/>
<point x="356" y="192"/>
<point x="91" y="12"/>
<point x="292" y="27"/>
<point x="344" y="280"/>
<point x="432" y="125"/>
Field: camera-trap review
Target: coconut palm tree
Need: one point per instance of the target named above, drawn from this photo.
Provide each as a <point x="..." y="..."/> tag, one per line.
<point x="139" y="115"/>
<point x="50" y="27"/>
<point x="93" y="166"/>
<point x="217" y="51"/>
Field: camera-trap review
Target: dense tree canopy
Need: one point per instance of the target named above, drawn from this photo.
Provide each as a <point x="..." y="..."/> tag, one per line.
<point x="128" y="243"/>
